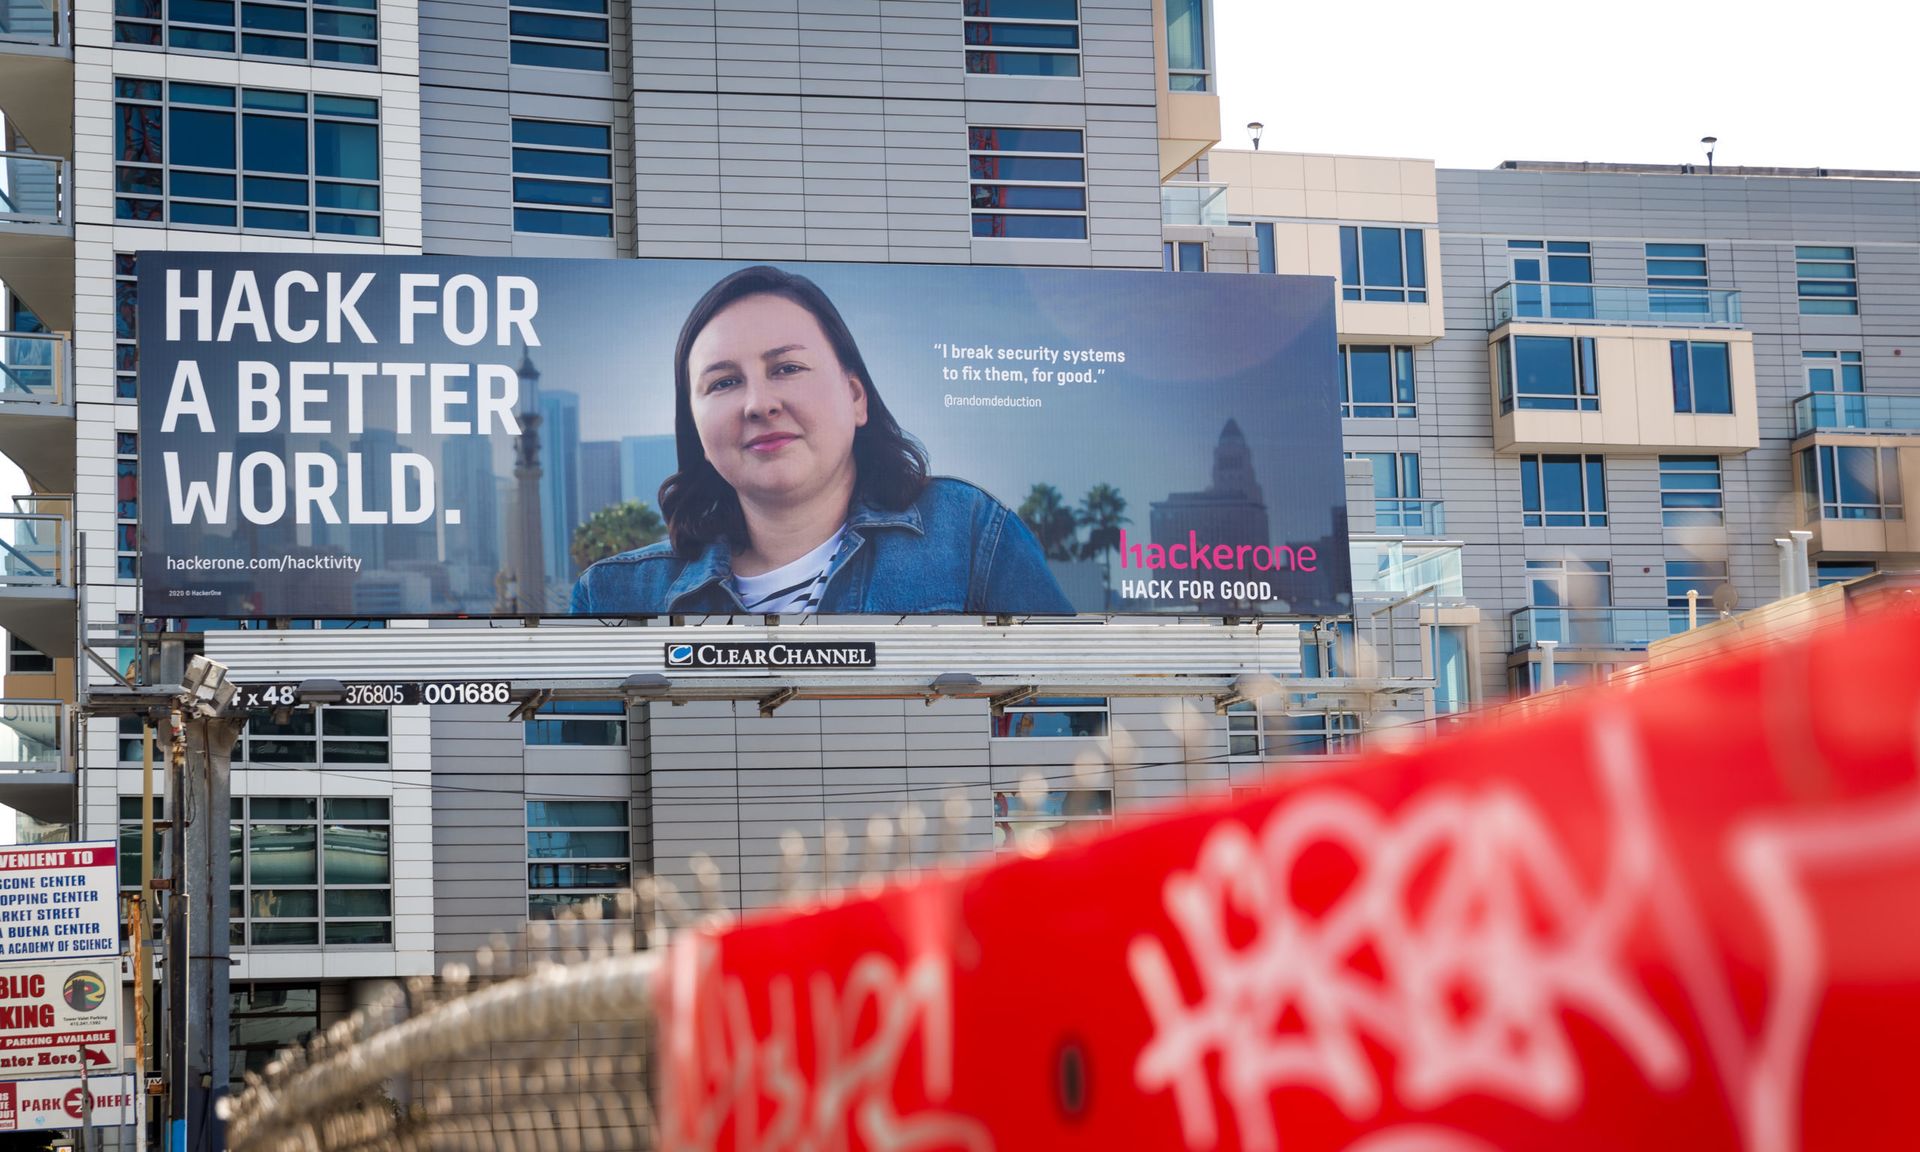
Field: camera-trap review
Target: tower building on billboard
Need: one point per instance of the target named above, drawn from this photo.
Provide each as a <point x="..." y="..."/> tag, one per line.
<point x="560" y="480"/>
<point x="1232" y="507"/>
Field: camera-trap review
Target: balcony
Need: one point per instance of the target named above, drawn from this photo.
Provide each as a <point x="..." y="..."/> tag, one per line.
<point x="1193" y="204"/>
<point x="1880" y="413"/>
<point x="1386" y="567"/>
<point x="36" y="72"/>
<point x="36" y="772"/>
<point x="1634" y="304"/>
<point x="1619" y="629"/>
<point x="36" y="407"/>
<point x="36" y="573"/>
<point x="36" y="226"/>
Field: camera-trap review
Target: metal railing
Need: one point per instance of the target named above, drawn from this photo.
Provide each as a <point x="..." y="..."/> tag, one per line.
<point x="31" y="735"/>
<point x="1615" y="304"/>
<point x="36" y="546"/>
<point x="34" y="368"/>
<point x="32" y="188"/>
<point x="1403" y="516"/>
<point x="1896" y="412"/>
<point x="34" y="22"/>
<point x="1391" y="565"/>
<point x="1623" y="628"/>
<point x="1188" y="202"/>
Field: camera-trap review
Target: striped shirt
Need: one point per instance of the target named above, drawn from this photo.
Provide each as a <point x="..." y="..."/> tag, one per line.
<point x="790" y="588"/>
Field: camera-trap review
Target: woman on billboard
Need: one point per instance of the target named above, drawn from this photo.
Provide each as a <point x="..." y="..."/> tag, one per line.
<point x="797" y="492"/>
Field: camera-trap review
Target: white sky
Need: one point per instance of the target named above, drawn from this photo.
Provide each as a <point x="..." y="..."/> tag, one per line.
<point x="1469" y="83"/>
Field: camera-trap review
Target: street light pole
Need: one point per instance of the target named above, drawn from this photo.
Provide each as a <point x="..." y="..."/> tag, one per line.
<point x="197" y="941"/>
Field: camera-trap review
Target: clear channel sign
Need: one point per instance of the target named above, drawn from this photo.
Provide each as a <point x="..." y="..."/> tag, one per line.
<point x="59" y="901"/>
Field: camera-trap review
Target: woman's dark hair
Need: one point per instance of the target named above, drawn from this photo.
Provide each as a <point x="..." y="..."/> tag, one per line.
<point x="890" y="466"/>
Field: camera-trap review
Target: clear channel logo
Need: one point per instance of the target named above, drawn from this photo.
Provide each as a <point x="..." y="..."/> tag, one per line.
<point x="679" y="655"/>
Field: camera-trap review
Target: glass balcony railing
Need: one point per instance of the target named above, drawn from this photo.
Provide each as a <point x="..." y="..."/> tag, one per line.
<point x="30" y="735"/>
<point x="1623" y="628"/>
<point x="35" y="544"/>
<point x="1883" y="412"/>
<point x="1400" y="516"/>
<point x="1186" y="202"/>
<point x="1384" y="566"/>
<point x="33" y="368"/>
<point x="1615" y="304"/>
<point x="32" y="188"/>
<point x="36" y="22"/>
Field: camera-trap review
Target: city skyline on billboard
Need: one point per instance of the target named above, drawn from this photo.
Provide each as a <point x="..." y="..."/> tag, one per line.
<point x="414" y="436"/>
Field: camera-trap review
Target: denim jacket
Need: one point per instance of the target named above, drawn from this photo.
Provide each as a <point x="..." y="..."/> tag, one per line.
<point x="953" y="550"/>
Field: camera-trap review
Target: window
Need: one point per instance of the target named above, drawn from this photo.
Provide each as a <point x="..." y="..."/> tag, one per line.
<point x="308" y="871"/>
<point x="1672" y="270"/>
<point x="264" y="1018"/>
<point x="1263" y="241"/>
<point x="559" y="34"/>
<point x="23" y="657"/>
<point x="1277" y="730"/>
<point x="126" y="505"/>
<point x="1378" y="381"/>
<point x="1691" y="492"/>
<point x="126" y="327"/>
<point x="1702" y="377"/>
<point x="1186" y="46"/>
<point x="1828" y="572"/>
<point x="1327" y="649"/>
<point x="1549" y="373"/>
<point x="1829" y="282"/>
<point x="1397" y="506"/>
<point x="579" y="852"/>
<point x="1022" y="818"/>
<point x="1571" y="601"/>
<point x="1387" y="264"/>
<point x="1452" y="688"/>
<point x="1023" y="37"/>
<point x="1552" y="278"/>
<point x="1563" y="491"/>
<point x="1183" y="256"/>
<point x="1838" y="482"/>
<point x="578" y="724"/>
<point x="324" y="31"/>
<point x="562" y="178"/>
<point x="325" y="735"/>
<point x="1702" y="576"/>
<point x="1836" y="379"/>
<point x="131" y="846"/>
<point x="1053" y="718"/>
<point x="281" y="162"/>
<point x="1028" y="183"/>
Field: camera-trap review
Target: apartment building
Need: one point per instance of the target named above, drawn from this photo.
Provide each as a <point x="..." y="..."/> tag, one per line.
<point x="1572" y="394"/>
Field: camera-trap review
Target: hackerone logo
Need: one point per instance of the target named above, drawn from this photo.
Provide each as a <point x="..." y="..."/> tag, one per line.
<point x="679" y="655"/>
<point x="84" y="991"/>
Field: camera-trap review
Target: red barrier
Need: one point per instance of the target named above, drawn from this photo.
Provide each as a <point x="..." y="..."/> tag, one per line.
<point x="1681" y="916"/>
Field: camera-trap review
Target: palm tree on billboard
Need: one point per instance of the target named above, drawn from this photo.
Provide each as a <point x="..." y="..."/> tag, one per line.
<point x="1052" y="521"/>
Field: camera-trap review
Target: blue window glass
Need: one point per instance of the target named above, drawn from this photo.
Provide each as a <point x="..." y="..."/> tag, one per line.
<point x="1025" y="9"/>
<point x="346" y="106"/>
<point x="559" y="134"/>
<point x="1544" y="371"/>
<point x="1702" y="377"/>
<point x="538" y="55"/>
<point x="349" y="25"/>
<point x="1027" y="196"/>
<point x="336" y="52"/>
<point x="982" y="63"/>
<point x="349" y="151"/>
<point x="336" y="225"/>
<point x="1030" y="227"/>
<point x="1350" y="262"/>
<point x="1380" y="257"/>
<point x="1263" y="239"/>
<point x="279" y="219"/>
<point x="581" y="194"/>
<point x="562" y="223"/>
<point x="1563" y="491"/>
<point x="201" y="185"/>
<point x="554" y="26"/>
<point x="597" y="723"/>
<point x="201" y="139"/>
<point x="218" y="12"/>
<point x="211" y="95"/>
<point x="275" y="144"/>
<point x="268" y="190"/>
<point x="200" y="39"/>
<point x="353" y="197"/>
<point x="1187" y="45"/>
<point x="257" y="44"/>
<point x="1828" y="280"/>
<point x="1691" y="494"/>
<point x="264" y="100"/>
<point x="981" y="33"/>
<point x="274" y="18"/>
<point x="1416" y="258"/>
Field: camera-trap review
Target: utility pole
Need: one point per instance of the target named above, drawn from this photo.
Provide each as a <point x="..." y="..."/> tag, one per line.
<point x="197" y="943"/>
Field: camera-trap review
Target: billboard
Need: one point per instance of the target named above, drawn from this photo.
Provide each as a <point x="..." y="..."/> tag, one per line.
<point x="331" y="435"/>
<point x="59" y="901"/>
<point x="55" y="1014"/>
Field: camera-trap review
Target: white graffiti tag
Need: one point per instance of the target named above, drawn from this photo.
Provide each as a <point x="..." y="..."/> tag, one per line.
<point x="1463" y="936"/>
<point x="751" y="1076"/>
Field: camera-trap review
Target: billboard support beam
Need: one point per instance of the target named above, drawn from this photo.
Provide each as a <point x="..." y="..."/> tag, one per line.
<point x="198" y="950"/>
